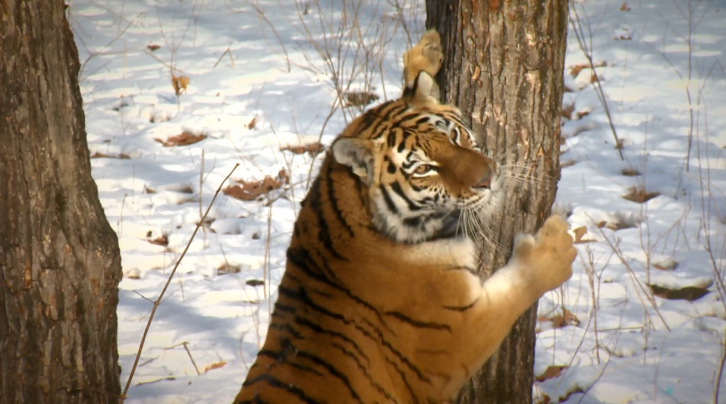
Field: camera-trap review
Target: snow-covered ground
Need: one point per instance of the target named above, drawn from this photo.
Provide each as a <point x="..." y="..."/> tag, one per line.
<point x="257" y="84"/>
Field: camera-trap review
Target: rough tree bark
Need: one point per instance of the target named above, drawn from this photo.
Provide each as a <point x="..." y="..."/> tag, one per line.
<point x="503" y="67"/>
<point x="59" y="258"/>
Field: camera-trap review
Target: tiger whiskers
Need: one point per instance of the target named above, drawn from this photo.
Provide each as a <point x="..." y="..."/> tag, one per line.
<point x="523" y="174"/>
<point x="474" y="223"/>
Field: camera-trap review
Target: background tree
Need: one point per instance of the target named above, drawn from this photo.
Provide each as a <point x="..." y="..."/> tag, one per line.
<point x="59" y="258"/>
<point x="503" y="67"/>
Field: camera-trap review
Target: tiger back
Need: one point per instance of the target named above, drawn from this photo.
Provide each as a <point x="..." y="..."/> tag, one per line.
<point x="380" y="301"/>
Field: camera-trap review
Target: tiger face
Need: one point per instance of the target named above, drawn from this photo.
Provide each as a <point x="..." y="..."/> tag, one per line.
<point x="425" y="174"/>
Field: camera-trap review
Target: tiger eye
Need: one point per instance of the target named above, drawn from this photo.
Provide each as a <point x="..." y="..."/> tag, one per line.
<point x="422" y="169"/>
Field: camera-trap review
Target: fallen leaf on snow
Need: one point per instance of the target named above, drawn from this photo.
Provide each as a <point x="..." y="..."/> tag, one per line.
<point x="639" y="195"/>
<point x="251" y="124"/>
<point x="161" y="240"/>
<point x="98" y="155"/>
<point x="251" y="190"/>
<point x="213" y="366"/>
<point x="179" y="83"/>
<point x="561" y="320"/>
<point x="550" y="373"/>
<point x="689" y="293"/>
<point x="359" y="98"/>
<point x="313" y="149"/>
<point x="183" y="139"/>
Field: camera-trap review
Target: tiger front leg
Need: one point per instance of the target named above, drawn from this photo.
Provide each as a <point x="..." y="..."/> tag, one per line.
<point x="545" y="261"/>
<point x="539" y="263"/>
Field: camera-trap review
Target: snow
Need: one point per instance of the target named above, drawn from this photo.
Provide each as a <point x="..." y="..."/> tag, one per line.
<point x="254" y="61"/>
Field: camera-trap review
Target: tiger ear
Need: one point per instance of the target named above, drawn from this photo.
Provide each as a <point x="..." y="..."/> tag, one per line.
<point x="420" y="65"/>
<point x="423" y="90"/>
<point x="357" y="154"/>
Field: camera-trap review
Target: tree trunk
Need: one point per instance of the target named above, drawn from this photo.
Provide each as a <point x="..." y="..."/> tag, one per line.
<point x="503" y="67"/>
<point x="59" y="258"/>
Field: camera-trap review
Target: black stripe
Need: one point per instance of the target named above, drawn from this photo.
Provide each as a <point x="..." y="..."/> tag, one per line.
<point x="302" y="260"/>
<point x="391" y="141"/>
<point x="416" y="323"/>
<point x="324" y="232"/>
<point x="286" y="327"/>
<point x="368" y="376"/>
<point x="284" y="308"/>
<point x="396" y="187"/>
<point x="277" y="383"/>
<point x="387" y="198"/>
<point x="255" y="400"/>
<point x="462" y="308"/>
<point x="385" y="117"/>
<point x="421" y="120"/>
<point x="404" y="380"/>
<point x="334" y="203"/>
<point x="303" y="298"/>
<point x="391" y="167"/>
<point x="332" y="370"/>
<point x="320" y="330"/>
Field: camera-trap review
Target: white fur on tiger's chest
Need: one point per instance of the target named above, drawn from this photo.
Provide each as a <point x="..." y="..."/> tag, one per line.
<point x="453" y="252"/>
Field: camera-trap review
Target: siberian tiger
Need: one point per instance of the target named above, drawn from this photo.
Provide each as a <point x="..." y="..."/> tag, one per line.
<point x="380" y="301"/>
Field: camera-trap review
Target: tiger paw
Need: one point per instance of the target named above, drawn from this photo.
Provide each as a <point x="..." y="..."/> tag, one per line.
<point x="547" y="258"/>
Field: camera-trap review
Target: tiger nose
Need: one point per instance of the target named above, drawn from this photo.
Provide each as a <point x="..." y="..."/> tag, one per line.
<point x="486" y="180"/>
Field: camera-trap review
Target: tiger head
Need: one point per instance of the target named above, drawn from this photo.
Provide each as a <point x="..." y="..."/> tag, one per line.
<point x="424" y="173"/>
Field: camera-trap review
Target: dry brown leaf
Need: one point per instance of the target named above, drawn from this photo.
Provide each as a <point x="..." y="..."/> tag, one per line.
<point x="179" y="83"/>
<point x="566" y="112"/>
<point x="630" y="172"/>
<point x="359" y="98"/>
<point x="251" y="190"/>
<point x="561" y="320"/>
<point x="228" y="269"/>
<point x="161" y="240"/>
<point x="183" y="139"/>
<point x="545" y="399"/>
<point x="576" y="69"/>
<point x="580" y="114"/>
<point x="689" y="293"/>
<point x="121" y="156"/>
<point x="550" y="373"/>
<point x="639" y="195"/>
<point x="213" y="366"/>
<point x="252" y="123"/>
<point x="579" y="233"/>
<point x="152" y="47"/>
<point x="313" y="149"/>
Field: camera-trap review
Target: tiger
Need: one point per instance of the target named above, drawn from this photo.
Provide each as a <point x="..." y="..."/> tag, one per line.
<point x="381" y="301"/>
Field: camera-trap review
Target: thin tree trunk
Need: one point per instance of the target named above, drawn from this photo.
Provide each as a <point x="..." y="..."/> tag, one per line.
<point x="503" y="67"/>
<point x="59" y="258"/>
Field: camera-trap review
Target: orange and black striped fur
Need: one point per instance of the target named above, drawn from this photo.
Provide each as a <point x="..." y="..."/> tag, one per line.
<point x="380" y="301"/>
